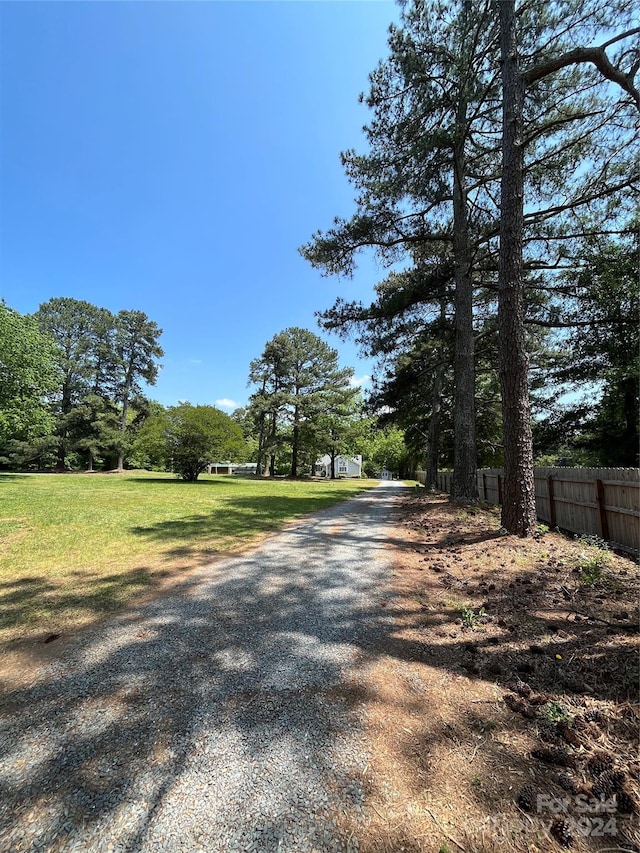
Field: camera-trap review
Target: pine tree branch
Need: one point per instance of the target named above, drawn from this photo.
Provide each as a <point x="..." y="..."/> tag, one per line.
<point x="584" y="235"/>
<point x="560" y="122"/>
<point x="539" y="215"/>
<point x="595" y="55"/>
<point x="572" y="324"/>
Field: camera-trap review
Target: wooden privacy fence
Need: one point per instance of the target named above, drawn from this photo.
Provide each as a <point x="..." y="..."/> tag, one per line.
<point x="600" y="501"/>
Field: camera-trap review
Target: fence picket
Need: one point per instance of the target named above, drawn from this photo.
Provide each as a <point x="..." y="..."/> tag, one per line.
<point x="600" y="501"/>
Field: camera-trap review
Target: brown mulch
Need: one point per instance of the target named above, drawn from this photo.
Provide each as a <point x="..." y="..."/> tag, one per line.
<point x="502" y="710"/>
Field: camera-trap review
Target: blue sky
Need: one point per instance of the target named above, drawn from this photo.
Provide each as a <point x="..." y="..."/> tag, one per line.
<point x="171" y="157"/>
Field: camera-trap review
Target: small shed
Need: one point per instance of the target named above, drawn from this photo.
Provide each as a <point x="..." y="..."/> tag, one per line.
<point x="219" y="468"/>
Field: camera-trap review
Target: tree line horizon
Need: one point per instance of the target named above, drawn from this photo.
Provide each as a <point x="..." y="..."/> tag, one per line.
<point x="71" y="398"/>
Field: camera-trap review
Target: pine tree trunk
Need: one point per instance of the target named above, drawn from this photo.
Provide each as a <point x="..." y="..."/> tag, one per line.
<point x="260" y="454"/>
<point x="519" y="505"/>
<point x="295" y="440"/>
<point x="65" y="408"/>
<point x="123" y="426"/>
<point x="433" y="438"/>
<point x="272" y="439"/>
<point x="465" y="478"/>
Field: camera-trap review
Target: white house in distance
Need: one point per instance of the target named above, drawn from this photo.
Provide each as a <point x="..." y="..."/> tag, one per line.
<point x="346" y="466"/>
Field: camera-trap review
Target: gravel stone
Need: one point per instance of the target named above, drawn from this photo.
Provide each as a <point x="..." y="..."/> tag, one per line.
<point x="204" y="720"/>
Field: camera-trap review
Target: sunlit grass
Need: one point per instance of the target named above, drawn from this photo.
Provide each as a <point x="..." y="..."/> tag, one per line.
<point x="74" y="547"/>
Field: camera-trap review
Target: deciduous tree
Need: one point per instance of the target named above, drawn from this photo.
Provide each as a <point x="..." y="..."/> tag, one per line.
<point x="28" y="373"/>
<point x="198" y="435"/>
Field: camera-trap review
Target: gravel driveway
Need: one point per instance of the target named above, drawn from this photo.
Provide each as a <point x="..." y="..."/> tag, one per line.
<point x="210" y="719"/>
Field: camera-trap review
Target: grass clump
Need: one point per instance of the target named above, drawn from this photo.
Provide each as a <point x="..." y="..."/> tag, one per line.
<point x="471" y="617"/>
<point x="553" y="712"/>
<point x="593" y="560"/>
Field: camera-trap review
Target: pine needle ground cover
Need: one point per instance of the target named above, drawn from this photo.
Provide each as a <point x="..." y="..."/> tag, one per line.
<point x="76" y="547"/>
<point x="506" y="692"/>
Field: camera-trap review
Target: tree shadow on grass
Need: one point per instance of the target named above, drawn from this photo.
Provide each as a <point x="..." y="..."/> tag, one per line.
<point x="236" y="518"/>
<point x="37" y="604"/>
<point x="178" y="481"/>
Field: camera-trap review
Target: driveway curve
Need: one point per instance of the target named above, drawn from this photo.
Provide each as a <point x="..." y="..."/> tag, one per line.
<point x="212" y="718"/>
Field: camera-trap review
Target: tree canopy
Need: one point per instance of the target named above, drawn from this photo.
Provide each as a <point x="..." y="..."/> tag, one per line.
<point x="198" y="435"/>
<point x="102" y="360"/>
<point x="298" y="383"/>
<point x="490" y="160"/>
<point x="28" y="374"/>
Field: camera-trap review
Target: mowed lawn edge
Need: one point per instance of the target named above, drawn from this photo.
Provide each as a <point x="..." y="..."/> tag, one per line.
<point x="77" y="547"/>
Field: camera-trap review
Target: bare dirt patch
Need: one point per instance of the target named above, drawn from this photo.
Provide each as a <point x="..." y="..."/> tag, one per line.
<point x="503" y="709"/>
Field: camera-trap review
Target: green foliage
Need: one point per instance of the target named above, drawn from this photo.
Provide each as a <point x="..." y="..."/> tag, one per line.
<point x="148" y="447"/>
<point x="593" y="541"/>
<point x="601" y="352"/>
<point x="370" y="468"/>
<point x="136" y="351"/>
<point x="553" y="712"/>
<point x="302" y="395"/>
<point x="245" y="418"/>
<point x="341" y="430"/>
<point x="591" y="570"/>
<point x="102" y="361"/>
<point x="93" y="430"/>
<point x="83" y="334"/>
<point x="197" y="435"/>
<point x="593" y="559"/>
<point x="470" y="617"/>
<point x="388" y="450"/>
<point x="27" y="375"/>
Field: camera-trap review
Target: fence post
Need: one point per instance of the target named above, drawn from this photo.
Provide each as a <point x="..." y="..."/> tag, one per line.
<point x="499" y="489"/>
<point x="484" y="486"/>
<point x="552" y="505"/>
<point x="602" y="512"/>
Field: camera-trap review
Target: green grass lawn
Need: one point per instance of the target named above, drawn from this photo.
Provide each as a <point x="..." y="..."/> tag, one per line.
<point x="77" y="546"/>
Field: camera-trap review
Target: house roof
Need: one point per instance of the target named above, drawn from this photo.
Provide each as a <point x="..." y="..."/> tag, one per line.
<point x="326" y="459"/>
